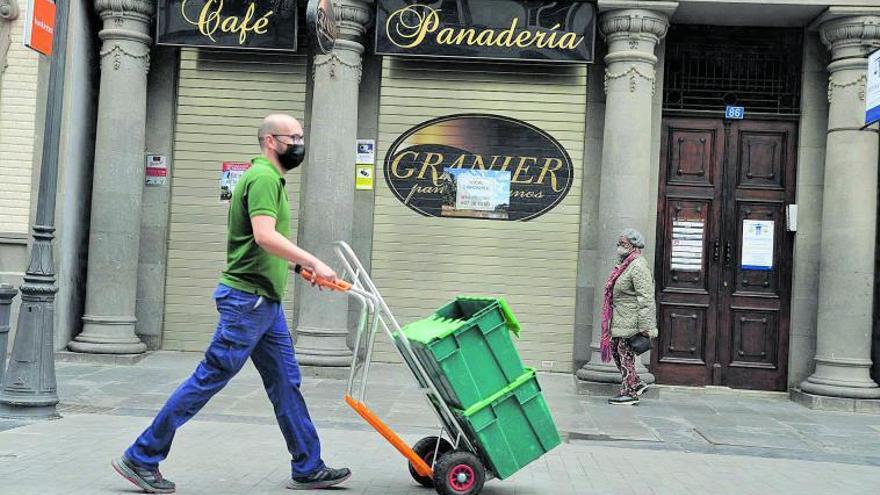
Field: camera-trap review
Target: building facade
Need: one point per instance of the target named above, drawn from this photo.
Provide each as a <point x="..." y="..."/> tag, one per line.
<point x="761" y="222"/>
<point x="19" y="72"/>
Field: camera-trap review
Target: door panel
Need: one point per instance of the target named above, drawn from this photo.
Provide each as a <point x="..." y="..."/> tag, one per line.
<point x="693" y="161"/>
<point x="687" y="263"/>
<point x="724" y="317"/>
<point x="754" y="302"/>
<point x="761" y="159"/>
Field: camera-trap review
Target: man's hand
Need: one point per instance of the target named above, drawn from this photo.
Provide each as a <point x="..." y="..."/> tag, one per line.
<point x="323" y="271"/>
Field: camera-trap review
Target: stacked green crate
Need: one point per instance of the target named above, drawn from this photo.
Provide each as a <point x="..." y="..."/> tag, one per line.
<point x="466" y="348"/>
<point x="513" y="427"/>
<point x="468" y="353"/>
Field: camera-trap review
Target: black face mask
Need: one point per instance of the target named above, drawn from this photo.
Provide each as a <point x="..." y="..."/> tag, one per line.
<point x="292" y="157"/>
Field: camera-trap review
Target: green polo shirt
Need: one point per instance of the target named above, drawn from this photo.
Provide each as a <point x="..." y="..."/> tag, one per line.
<point x="260" y="191"/>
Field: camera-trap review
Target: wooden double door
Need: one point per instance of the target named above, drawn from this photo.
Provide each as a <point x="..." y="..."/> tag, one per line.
<point x="724" y="255"/>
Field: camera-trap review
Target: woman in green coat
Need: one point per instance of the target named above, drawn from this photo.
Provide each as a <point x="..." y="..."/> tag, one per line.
<point x="628" y="309"/>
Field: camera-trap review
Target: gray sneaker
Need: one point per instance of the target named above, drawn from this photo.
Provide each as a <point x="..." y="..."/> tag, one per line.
<point x="641" y="388"/>
<point x="623" y="400"/>
<point x="322" y="478"/>
<point x="148" y="480"/>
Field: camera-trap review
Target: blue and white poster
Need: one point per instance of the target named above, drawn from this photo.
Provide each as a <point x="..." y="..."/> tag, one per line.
<point x="478" y="193"/>
<point x="872" y="93"/>
<point x="757" y="245"/>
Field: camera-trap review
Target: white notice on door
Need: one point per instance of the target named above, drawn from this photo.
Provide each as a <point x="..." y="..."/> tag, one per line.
<point x="687" y="246"/>
<point x="757" y="245"/>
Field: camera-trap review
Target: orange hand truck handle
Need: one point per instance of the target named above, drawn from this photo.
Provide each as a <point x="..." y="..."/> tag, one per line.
<point x="309" y="276"/>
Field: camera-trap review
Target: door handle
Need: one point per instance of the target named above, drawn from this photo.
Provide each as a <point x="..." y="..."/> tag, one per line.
<point x="716" y="251"/>
<point x="727" y="255"/>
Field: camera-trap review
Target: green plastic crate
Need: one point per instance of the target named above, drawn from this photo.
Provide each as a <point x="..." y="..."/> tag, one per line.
<point x="513" y="427"/>
<point x="466" y="348"/>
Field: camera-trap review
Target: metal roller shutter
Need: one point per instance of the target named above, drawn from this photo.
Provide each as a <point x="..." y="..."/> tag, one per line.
<point x="420" y="262"/>
<point x="222" y="97"/>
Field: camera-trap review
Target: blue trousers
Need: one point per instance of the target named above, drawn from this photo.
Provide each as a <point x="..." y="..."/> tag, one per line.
<point x="253" y="327"/>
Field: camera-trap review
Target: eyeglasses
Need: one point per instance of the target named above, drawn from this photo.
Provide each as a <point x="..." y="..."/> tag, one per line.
<point x="622" y="243"/>
<point x="296" y="138"/>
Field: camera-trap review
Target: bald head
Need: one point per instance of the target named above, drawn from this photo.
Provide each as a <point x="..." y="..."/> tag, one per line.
<point x="278" y="124"/>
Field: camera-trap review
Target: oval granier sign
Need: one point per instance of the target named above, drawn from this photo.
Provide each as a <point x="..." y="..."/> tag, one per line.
<point x="478" y="166"/>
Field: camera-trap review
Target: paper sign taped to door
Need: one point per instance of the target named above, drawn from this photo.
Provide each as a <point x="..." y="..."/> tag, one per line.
<point x="757" y="245"/>
<point x="687" y="245"/>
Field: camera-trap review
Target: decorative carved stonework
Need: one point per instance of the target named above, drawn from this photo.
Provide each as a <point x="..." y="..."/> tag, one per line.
<point x="9" y="10"/>
<point x="353" y="18"/>
<point x="850" y="39"/>
<point x="143" y="7"/>
<point x="116" y="52"/>
<point x="862" y="81"/>
<point x="861" y="31"/>
<point x="334" y="62"/>
<point x="125" y="34"/>
<point x="634" y="22"/>
<point x="634" y="75"/>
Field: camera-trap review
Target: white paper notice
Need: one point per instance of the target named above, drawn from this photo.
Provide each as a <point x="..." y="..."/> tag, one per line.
<point x="687" y="245"/>
<point x="366" y="152"/>
<point x="475" y="192"/>
<point x="757" y="245"/>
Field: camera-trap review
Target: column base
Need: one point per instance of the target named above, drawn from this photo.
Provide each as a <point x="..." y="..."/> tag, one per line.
<point x="322" y="347"/>
<point x="87" y="345"/>
<point x="608" y="372"/>
<point x="28" y="407"/>
<point x="107" y="335"/>
<point x="64" y="356"/>
<point x="846" y="390"/>
<point x="825" y="403"/>
<point x="842" y="377"/>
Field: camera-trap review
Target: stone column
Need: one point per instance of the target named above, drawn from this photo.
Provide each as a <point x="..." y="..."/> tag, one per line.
<point x="625" y="195"/>
<point x="849" y="216"/>
<point x="328" y="184"/>
<point x="118" y="180"/>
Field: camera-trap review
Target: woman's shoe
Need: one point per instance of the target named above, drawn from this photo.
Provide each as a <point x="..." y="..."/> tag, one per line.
<point x="623" y="400"/>
<point x="641" y="388"/>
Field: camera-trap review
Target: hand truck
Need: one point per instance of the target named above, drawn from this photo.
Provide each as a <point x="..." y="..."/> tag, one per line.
<point x="448" y="462"/>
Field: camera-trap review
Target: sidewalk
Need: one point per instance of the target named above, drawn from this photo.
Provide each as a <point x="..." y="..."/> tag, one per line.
<point x="691" y="439"/>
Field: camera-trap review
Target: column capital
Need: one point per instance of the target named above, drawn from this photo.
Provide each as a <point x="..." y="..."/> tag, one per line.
<point x="632" y="29"/>
<point x="849" y="31"/>
<point x="353" y="18"/>
<point x="9" y="10"/>
<point x="126" y="32"/>
<point x="145" y="8"/>
<point x="635" y="18"/>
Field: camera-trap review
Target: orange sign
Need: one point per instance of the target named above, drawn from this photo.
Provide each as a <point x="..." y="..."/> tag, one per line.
<point x="40" y="26"/>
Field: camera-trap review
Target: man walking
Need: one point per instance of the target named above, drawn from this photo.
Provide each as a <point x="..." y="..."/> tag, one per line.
<point x="251" y="323"/>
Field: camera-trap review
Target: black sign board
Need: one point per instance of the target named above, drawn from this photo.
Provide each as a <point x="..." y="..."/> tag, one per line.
<point x="229" y="24"/>
<point x="478" y="166"/>
<point x="321" y="19"/>
<point x="561" y="31"/>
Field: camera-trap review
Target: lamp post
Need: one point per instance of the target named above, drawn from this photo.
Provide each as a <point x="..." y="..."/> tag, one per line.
<point x="29" y="387"/>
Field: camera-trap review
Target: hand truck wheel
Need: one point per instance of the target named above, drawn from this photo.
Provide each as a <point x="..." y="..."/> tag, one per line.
<point x="425" y="449"/>
<point x="459" y="473"/>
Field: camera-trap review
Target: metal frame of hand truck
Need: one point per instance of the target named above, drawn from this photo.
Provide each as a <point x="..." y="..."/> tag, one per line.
<point x="375" y="315"/>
